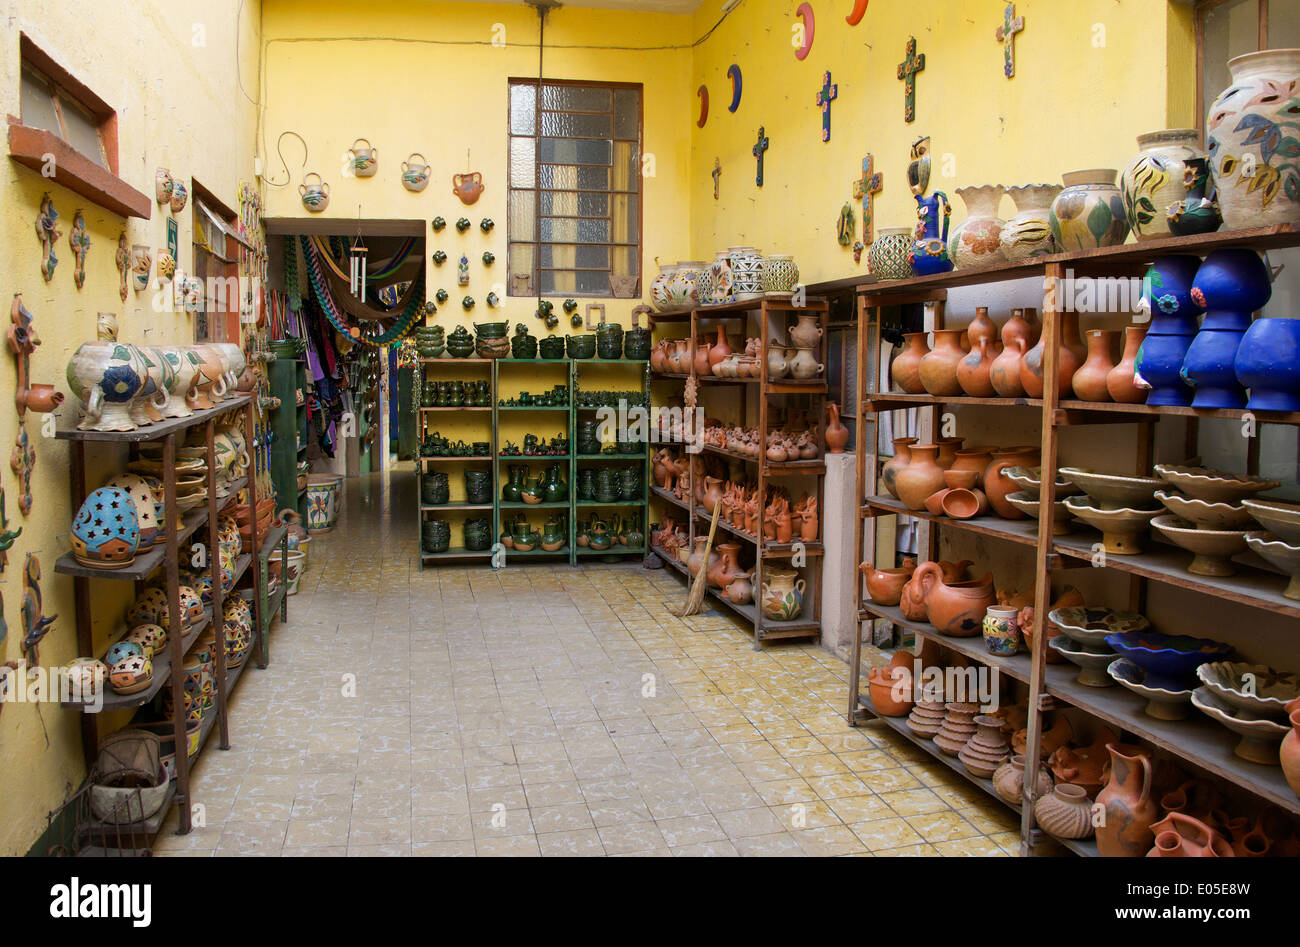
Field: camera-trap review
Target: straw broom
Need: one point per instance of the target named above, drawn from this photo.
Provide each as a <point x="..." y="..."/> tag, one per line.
<point x="695" y="600"/>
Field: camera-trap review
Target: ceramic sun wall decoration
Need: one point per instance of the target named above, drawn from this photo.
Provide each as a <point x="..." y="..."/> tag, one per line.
<point x="179" y="197"/>
<point x="759" y="149"/>
<point x="913" y="63"/>
<point x="48" y="234"/>
<point x="1006" y="35"/>
<point x="827" y="94"/>
<point x="141" y="265"/>
<point x="162" y="186"/>
<point x="166" y="267"/>
<point x="79" y="240"/>
<point x="365" y="158"/>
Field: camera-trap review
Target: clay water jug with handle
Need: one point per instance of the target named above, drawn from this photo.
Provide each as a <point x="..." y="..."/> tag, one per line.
<point x="1130" y="809"/>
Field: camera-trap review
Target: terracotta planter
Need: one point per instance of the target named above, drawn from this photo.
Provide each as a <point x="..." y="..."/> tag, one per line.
<point x="837" y="435"/>
<point x="998" y="486"/>
<point x="1065" y="812"/>
<point x="939" y="367"/>
<point x="884" y="684"/>
<point x="902" y="457"/>
<point x="906" y="367"/>
<point x="1068" y="360"/>
<point x="1130" y="809"/>
<point x="1090" y="381"/>
<point x="921" y="478"/>
<point x="1120" y="381"/>
<point x="885" y="586"/>
<point x="974" y="370"/>
<point x="1009" y="781"/>
<point x="955" y="609"/>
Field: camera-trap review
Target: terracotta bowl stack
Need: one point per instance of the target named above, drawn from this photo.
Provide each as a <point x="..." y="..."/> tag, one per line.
<point x="987" y="749"/>
<point x="926" y="718"/>
<point x="958" y="727"/>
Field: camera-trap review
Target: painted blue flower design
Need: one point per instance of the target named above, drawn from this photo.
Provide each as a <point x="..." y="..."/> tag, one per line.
<point x="1168" y="303"/>
<point x="120" y="384"/>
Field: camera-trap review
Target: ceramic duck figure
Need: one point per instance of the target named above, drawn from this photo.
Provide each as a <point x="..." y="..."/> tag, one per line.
<point x="929" y="253"/>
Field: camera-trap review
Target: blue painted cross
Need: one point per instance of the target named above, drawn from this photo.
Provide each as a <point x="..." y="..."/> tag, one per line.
<point x="760" y="146"/>
<point x="825" y="96"/>
<point x="865" y="189"/>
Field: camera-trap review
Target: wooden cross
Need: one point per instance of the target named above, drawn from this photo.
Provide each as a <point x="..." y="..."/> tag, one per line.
<point x="760" y="146"/>
<point x="717" y="173"/>
<point x="825" y="96"/>
<point x="907" y="70"/>
<point x="865" y="189"/>
<point x="1006" y="35"/>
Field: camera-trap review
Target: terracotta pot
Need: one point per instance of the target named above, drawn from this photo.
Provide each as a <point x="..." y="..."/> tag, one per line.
<point x="920" y="478"/>
<point x="974" y="459"/>
<point x="1291" y="750"/>
<point x="727" y="566"/>
<point x="955" y="609"/>
<point x="1009" y="781"/>
<point x="837" y="435"/>
<point x="701" y="364"/>
<point x="987" y="749"/>
<point x="680" y="358"/>
<point x="1090" y="381"/>
<point x="1004" y="373"/>
<point x="696" y="561"/>
<point x="906" y="367"/>
<point x="1086" y="766"/>
<point x="1129" y="807"/>
<point x="981" y="327"/>
<point x="1068" y="360"/>
<point x="934" y="502"/>
<point x="741" y="589"/>
<point x="1119" y="381"/>
<point x="902" y="457"/>
<point x="1252" y="842"/>
<point x="659" y="357"/>
<point x="1181" y="836"/>
<point x="962" y="479"/>
<point x="939" y="367"/>
<point x="885" y="586"/>
<point x="963" y="504"/>
<point x="973" y="370"/>
<point x="998" y="486"/>
<point x="948" y="447"/>
<point x="1065" y="812"/>
<point x="720" y="349"/>
<point x="883" y="683"/>
<point x="712" y="493"/>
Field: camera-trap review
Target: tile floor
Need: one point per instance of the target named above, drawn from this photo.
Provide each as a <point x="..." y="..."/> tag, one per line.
<point x="549" y="711"/>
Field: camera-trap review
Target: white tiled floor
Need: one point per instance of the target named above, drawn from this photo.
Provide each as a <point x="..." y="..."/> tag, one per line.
<point x="546" y="710"/>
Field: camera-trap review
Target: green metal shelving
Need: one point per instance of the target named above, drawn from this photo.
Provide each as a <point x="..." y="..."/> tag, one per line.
<point x="289" y="432"/>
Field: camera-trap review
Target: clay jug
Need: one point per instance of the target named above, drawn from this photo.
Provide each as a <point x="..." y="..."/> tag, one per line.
<point x="973" y="370"/>
<point x="885" y="586"/>
<point x="1090" y="381"/>
<point x="712" y="493"/>
<point x="702" y="364"/>
<point x="1181" y="836"/>
<point x="902" y="457"/>
<point x="948" y="447"/>
<point x="939" y="367"/>
<point x="837" y="435"/>
<point x="1004" y="373"/>
<point x="682" y="360"/>
<point x="721" y="573"/>
<point x="1291" y="749"/>
<point x="1068" y="359"/>
<point x="720" y="348"/>
<point x="1009" y="781"/>
<point x="1130" y="809"/>
<point x="741" y="589"/>
<point x="981" y="327"/>
<point x="778" y="365"/>
<point x="997" y="485"/>
<point x="906" y="367"/>
<point x="1120" y="384"/>
<point x="696" y="561"/>
<point x="957" y="608"/>
<point x="807" y="332"/>
<point x="658" y="356"/>
<point x="920" y="478"/>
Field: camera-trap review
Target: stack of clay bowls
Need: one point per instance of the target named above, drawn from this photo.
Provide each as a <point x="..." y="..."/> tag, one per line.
<point x="987" y="749"/>
<point x="1029" y="480"/>
<point x="958" y="727"/>
<point x="1082" y="641"/>
<point x="926" y="718"/>
<point x="1208" y="518"/>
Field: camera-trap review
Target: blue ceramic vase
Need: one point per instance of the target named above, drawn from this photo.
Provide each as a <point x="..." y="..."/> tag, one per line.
<point x="1167" y="292"/>
<point x="930" y="251"/>
<point x="1210" y="367"/>
<point x="1230" y="285"/>
<point x="1268" y="363"/>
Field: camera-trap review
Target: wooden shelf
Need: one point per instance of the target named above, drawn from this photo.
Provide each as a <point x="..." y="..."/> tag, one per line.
<point x="1144" y="412"/>
<point x="557" y="505"/>
<point x="459" y="408"/>
<point x="900" y="401"/>
<point x="1024" y="532"/>
<point x="667" y="497"/>
<point x="455" y="507"/>
<point x="144" y="563"/>
<point x="1015" y="667"/>
<point x="456" y="552"/>
<point x="159" y="429"/>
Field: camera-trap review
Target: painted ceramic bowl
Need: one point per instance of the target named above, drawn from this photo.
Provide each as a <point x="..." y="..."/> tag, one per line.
<point x="1204" y="514"/>
<point x="106" y="532"/>
<point x="1260" y="739"/>
<point x="1281" y="555"/>
<point x="131" y="674"/>
<point x="1092" y="666"/>
<point x="1255" y="690"/>
<point x="1090" y="626"/>
<point x="1112" y="491"/>
<point x="149" y="636"/>
<point x="1212" y="549"/>
<point x="1121" y="529"/>
<point x="1030" y="480"/>
<point x="1161" y="704"/>
<point x="1028" y="504"/>
<point x="1280" y="519"/>
<point x="1216" y="486"/>
<point x="1169" y="660"/>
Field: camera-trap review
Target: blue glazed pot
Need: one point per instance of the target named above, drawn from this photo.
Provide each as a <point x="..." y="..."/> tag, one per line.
<point x="1210" y="368"/>
<point x="1230" y="285"/>
<point x="1167" y="289"/>
<point x="1169" y="660"/>
<point x="1268" y="363"/>
<point x="930" y="251"/>
<point x="1159" y="365"/>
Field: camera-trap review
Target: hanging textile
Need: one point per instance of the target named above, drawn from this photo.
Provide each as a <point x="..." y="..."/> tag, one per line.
<point x="414" y="308"/>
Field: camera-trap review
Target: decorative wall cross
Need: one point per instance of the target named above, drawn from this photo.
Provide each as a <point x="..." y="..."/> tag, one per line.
<point x="865" y="189"/>
<point x="1006" y="35"/>
<point x="907" y="70"/>
<point x="825" y="96"/>
<point x="717" y="173"/>
<point x="760" y="146"/>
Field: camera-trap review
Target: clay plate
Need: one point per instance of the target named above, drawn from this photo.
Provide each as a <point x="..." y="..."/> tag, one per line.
<point x="1212" y="549"/>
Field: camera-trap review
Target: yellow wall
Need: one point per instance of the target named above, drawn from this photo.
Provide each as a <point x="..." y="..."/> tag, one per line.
<point x="179" y="106"/>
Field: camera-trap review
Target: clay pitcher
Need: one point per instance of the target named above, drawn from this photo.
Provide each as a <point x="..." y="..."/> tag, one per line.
<point x="1069" y="358"/>
<point x="837" y="435"/>
<point x="1004" y="373"/>
<point x="721" y="572"/>
<point x="1130" y="809"/>
<point x="1090" y="381"/>
<point x="902" y="457"/>
<point x="712" y="493"/>
<point x="658" y="357"/>
<point x="906" y="367"/>
<point x="702" y="365"/>
<point x="939" y="367"/>
<point x="956" y="609"/>
<point x="921" y="478"/>
<point x="885" y="586"/>
<point x="680" y="359"/>
<point x="973" y="370"/>
<point x="1120" y="383"/>
<point x="720" y="349"/>
<point x="997" y="486"/>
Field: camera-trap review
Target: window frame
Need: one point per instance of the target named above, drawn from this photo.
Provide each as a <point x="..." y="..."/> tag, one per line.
<point x="219" y="263"/>
<point x="535" y="240"/>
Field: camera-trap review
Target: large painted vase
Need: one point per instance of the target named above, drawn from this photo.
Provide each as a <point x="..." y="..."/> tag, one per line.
<point x="976" y="241"/>
<point x="181" y="372"/>
<point x="890" y="255"/>
<point x="783" y="594"/>
<point x="929" y="253"/>
<point x="1254" y="145"/>
<point x="1028" y="233"/>
<point x="747" y="266"/>
<point x="107" y="376"/>
<point x="105" y="532"/>
<point x="1089" y="212"/>
<point x="322" y="502"/>
<point x="1154" y="179"/>
<point x="722" y="287"/>
<point x="1268" y="363"/>
<point x="1167" y="291"/>
<point x="659" y="286"/>
<point x="1230" y="285"/>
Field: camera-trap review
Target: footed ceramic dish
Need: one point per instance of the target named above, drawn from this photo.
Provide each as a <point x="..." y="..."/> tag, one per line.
<point x="1260" y="739"/>
<point x="1111" y="491"/>
<point x="1212" y="549"/>
<point x="1090" y="626"/>
<point x="1121" y="529"/>
<point x="1214" y="486"/>
<point x="1280" y="519"/>
<point x="1162" y="704"/>
<point x="1028" y="504"/>
<point x="1030" y="480"/>
<point x="1255" y="690"/>
<point x="1169" y="660"/>
<point x="1092" y="665"/>
<point x="1204" y="514"/>
<point x="1281" y="555"/>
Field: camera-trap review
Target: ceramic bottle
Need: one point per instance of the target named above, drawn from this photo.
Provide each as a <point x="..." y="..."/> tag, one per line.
<point x="1120" y="384"/>
<point x="1090" y="381"/>
<point x="974" y="371"/>
<point x="938" y="369"/>
<point x="1069" y="357"/>
<point x="920" y="478"/>
<point x="906" y="367"/>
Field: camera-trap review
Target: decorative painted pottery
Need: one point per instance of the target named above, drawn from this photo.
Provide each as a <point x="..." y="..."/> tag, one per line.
<point x="722" y="279"/>
<point x="1065" y="812"/>
<point x="1268" y="363"/>
<point x="1069" y="359"/>
<point x="780" y="275"/>
<point x="1129" y="808"/>
<point x="1253" y="170"/>
<point x="163" y="186"/>
<point x="415" y="173"/>
<point x="659" y="286"/>
<point x="468" y="186"/>
<point x="179" y="197"/>
<point x="906" y="367"/>
<point x="1009" y="781"/>
<point x="1001" y="630"/>
<point x="938" y="368"/>
<point x="1282" y="519"/>
<point x="322" y="501"/>
<point x="1089" y="212"/>
<point x="682" y="289"/>
<point x="957" y="609"/>
<point x="1212" y="549"/>
<point x="998" y="486"/>
<point x="365" y="158"/>
<point x="131" y="674"/>
<point x="146" y="511"/>
<point x="315" y="193"/>
<point x="1162" y="703"/>
<point x="1196" y="213"/>
<point x="1215" y="486"/>
<point x="1029" y="233"/>
<point x="902" y="457"/>
<point x="1121" y="529"/>
<point x="782" y="594"/>
<point x="929" y="253"/>
<point x="180" y="368"/>
<point x="976" y="241"/>
<point x="1169" y="660"/>
<point x="1091" y="664"/>
<point x="1154" y="179"/>
<point x="1090" y="382"/>
<point x="1255" y="690"/>
<point x="1260" y="739"/>
<point x="107" y="376"/>
<point x="1090" y="626"/>
<point x="1284" y="556"/>
<point x="921" y="477"/>
<point x="890" y="255"/>
<point x="1121" y="382"/>
<point x="105" y="532"/>
<point x="746" y="272"/>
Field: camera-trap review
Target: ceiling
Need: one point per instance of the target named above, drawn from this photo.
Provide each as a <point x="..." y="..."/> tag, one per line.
<point x="650" y="6"/>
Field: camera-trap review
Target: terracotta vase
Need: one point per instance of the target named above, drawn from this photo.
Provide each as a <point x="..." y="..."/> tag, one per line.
<point x="837" y="435"/>
<point x="696" y="561"/>
<point x="720" y="349"/>
<point x="974" y="460"/>
<point x="885" y="586"/>
<point x="987" y="750"/>
<point x="955" y="609"/>
<point x="906" y="367"/>
<point x="806" y="333"/>
<point x="712" y="493"/>
<point x="885" y="684"/>
<point x="1290" y="752"/>
<point x="948" y="447"/>
<point x="1009" y="781"/>
<point x="939" y="367"/>
<point x="973" y="370"/>
<point x="1090" y="381"/>
<point x="1069" y="357"/>
<point x="701" y="363"/>
<point x="741" y="589"/>
<point x="998" y="486"/>
<point x="1004" y="373"/>
<point x="981" y="327"/>
<point x="1065" y="812"/>
<point x="902" y="457"/>
<point x="680" y="359"/>
<point x="921" y="478"/>
<point x="721" y="572"/>
<point x="1129" y="807"/>
<point x="1182" y="836"/>
<point x="1120" y="382"/>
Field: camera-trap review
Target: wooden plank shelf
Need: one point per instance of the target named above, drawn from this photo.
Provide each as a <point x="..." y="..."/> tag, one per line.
<point x="1147" y="412"/>
<point x="1024" y="532"/>
<point x="444" y="460"/>
<point x="1016" y="667"/>
<point x="667" y="497"/>
<point x="901" y="401"/>
<point x="611" y="551"/>
<point x="456" y="552"/>
<point x="457" y="408"/>
<point x="454" y="507"/>
<point x="159" y="429"/>
<point x="144" y="563"/>
<point x="512" y="507"/>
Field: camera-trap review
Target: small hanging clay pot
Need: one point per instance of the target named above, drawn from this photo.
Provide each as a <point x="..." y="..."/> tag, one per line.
<point x="1120" y="382"/>
<point x="906" y="367"/>
<point x="973" y="370"/>
<point x="938" y="369"/>
<point x="1090" y="381"/>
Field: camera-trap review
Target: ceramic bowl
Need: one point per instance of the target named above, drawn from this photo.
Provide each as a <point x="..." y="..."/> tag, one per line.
<point x="1212" y="549"/>
<point x="1280" y="519"/>
<point x="1256" y="690"/>
<point x="1204" y="514"/>
<point x="1260" y="739"/>
<point x="1027" y="503"/>
<point x="1121" y="529"/>
<point x="1169" y="660"/>
<point x="1092" y="666"/>
<point x="1030" y="480"/>
<point x="1161" y="704"/>
<point x="1281" y="555"/>
<point x="1090" y="626"/>
<point x="1111" y="491"/>
<point x="1216" y="486"/>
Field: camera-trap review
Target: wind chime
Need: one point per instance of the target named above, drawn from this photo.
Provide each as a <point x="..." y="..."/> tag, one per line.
<point x="357" y="262"/>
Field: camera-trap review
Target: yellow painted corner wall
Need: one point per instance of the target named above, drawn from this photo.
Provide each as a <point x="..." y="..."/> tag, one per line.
<point x="1091" y="75"/>
<point x="171" y="70"/>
